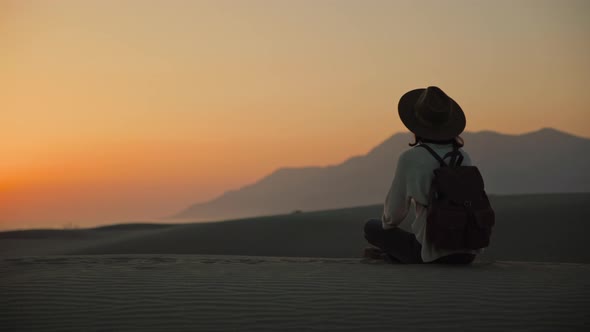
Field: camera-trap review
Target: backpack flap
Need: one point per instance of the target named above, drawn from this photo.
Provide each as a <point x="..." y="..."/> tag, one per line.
<point x="459" y="183"/>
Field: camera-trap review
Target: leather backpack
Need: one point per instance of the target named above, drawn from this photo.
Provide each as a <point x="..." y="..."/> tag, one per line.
<point x="459" y="212"/>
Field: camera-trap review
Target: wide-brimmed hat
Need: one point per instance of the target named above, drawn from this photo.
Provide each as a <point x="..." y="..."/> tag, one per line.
<point x="431" y="114"/>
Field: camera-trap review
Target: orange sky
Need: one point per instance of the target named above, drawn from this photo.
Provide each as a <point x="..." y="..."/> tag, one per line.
<point x="132" y="110"/>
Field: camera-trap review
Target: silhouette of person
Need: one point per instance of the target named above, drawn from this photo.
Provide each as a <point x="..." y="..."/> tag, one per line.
<point x="436" y="120"/>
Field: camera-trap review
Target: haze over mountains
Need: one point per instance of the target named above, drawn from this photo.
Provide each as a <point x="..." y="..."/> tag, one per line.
<point x="543" y="161"/>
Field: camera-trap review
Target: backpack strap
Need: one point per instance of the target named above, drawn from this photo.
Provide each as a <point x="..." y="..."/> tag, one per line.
<point x="434" y="154"/>
<point x="454" y="161"/>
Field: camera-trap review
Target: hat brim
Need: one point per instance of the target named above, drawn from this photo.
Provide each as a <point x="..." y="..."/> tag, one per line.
<point x="453" y="128"/>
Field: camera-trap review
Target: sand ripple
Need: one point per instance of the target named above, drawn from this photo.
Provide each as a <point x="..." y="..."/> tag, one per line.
<point x="221" y="293"/>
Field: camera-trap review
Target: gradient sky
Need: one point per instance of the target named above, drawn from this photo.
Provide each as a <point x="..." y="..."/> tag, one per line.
<point x="113" y="111"/>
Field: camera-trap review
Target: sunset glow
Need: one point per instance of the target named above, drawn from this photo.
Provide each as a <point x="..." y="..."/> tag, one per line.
<point x="132" y="110"/>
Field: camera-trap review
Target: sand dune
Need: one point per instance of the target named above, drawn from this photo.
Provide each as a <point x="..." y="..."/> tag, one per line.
<point x="232" y="293"/>
<point x="549" y="227"/>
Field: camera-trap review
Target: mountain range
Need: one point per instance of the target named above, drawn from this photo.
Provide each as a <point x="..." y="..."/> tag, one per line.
<point x="543" y="161"/>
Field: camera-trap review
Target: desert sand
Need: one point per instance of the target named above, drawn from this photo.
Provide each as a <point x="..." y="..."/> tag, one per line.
<point x="233" y="293"/>
<point x="297" y="272"/>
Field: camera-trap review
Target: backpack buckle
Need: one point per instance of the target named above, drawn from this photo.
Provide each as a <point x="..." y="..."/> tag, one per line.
<point x="467" y="203"/>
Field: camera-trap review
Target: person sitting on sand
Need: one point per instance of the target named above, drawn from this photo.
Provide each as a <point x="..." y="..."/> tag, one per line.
<point x="436" y="120"/>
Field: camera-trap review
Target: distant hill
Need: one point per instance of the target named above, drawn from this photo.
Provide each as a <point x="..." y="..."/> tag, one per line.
<point x="543" y="161"/>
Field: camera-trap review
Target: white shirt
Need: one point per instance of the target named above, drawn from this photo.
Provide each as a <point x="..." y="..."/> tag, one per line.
<point x="411" y="183"/>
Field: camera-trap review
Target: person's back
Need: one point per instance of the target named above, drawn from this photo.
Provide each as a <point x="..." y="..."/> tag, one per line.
<point x="419" y="165"/>
<point x="436" y="121"/>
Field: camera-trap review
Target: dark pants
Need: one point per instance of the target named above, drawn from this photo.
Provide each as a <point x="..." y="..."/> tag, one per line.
<point x="402" y="246"/>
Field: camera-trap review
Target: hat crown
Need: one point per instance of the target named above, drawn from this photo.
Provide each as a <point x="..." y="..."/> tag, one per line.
<point x="431" y="114"/>
<point x="433" y="108"/>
